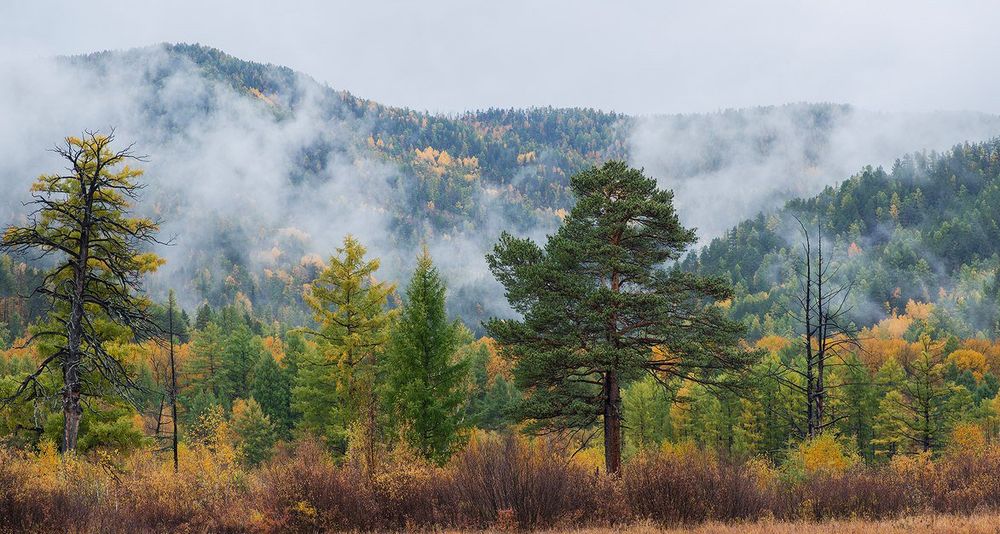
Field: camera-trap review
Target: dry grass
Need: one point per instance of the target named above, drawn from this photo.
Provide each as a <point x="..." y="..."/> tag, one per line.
<point x="503" y="484"/>
<point x="919" y="524"/>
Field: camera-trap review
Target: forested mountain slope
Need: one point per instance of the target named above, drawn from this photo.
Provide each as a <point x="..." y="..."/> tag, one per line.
<point x="925" y="229"/>
<point x="258" y="171"/>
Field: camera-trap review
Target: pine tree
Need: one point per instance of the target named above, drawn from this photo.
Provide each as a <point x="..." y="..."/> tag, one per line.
<point x="597" y="300"/>
<point x="424" y="377"/>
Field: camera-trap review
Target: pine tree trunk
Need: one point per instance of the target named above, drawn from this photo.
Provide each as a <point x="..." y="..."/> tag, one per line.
<point x="72" y="411"/>
<point x="612" y="423"/>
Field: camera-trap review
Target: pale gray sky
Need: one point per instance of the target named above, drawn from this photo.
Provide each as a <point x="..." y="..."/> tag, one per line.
<point x="634" y="57"/>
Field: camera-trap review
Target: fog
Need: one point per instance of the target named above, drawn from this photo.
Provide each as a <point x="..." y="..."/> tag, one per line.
<point x="221" y="168"/>
<point x="726" y="167"/>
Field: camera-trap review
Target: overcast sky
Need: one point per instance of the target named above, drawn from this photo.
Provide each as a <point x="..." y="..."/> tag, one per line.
<point x="633" y="57"/>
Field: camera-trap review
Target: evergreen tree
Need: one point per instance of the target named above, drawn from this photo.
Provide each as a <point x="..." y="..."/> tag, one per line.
<point x="599" y="298"/>
<point x="493" y="397"/>
<point x="648" y="422"/>
<point x="240" y="353"/>
<point x="272" y="389"/>
<point x="255" y="433"/>
<point x="203" y="316"/>
<point x="425" y="379"/>
<point x="205" y="363"/>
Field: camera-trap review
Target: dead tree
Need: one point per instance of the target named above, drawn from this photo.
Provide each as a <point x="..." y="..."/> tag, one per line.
<point x="822" y="310"/>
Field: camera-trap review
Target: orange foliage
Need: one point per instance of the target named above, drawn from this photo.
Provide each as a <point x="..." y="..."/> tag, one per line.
<point x="971" y="360"/>
<point x="274" y="345"/>
<point x="496" y="365"/>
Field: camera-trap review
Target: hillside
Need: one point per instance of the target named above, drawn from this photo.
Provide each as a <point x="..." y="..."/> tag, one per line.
<point x="259" y="170"/>
<point x="924" y="230"/>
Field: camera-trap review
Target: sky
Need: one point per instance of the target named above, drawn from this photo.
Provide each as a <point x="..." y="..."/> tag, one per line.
<point x="631" y="57"/>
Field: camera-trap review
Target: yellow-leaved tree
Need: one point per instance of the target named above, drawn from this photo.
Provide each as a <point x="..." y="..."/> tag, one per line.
<point x="335" y="389"/>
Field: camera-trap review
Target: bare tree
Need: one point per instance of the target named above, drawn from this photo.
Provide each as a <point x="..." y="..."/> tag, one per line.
<point x="822" y="309"/>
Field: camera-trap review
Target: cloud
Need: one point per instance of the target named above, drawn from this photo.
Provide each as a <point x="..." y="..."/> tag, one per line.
<point x="728" y="166"/>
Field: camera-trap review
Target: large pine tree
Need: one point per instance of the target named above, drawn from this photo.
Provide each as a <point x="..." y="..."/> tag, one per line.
<point x="599" y="298"/>
<point x="424" y="378"/>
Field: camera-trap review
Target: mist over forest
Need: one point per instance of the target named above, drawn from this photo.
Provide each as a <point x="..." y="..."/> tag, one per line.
<point x="235" y="297"/>
<point x="258" y="171"/>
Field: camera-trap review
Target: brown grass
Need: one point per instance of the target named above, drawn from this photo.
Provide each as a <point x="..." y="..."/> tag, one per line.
<point x="497" y="483"/>
<point x="919" y="524"/>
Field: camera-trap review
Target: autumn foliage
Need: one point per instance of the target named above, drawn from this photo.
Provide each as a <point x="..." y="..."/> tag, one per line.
<point x="496" y="482"/>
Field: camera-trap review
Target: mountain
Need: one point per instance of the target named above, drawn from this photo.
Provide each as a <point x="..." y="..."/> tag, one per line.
<point x="925" y="230"/>
<point x="259" y="171"/>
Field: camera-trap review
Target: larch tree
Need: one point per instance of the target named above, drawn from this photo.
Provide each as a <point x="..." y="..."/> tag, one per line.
<point x="424" y="377"/>
<point x="921" y="410"/>
<point x="599" y="298"/>
<point x="336" y="390"/>
<point x="81" y="219"/>
<point x="204" y="367"/>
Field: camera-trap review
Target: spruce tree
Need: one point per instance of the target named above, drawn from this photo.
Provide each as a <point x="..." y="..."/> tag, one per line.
<point x="271" y="387"/>
<point x="599" y="297"/>
<point x="240" y="353"/>
<point x="424" y="376"/>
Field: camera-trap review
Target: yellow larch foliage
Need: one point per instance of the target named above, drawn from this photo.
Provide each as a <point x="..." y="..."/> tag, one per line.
<point x="274" y="345"/>
<point x="919" y="310"/>
<point x="967" y="438"/>
<point x="496" y="365"/>
<point x="824" y="454"/>
<point x="773" y="344"/>
<point x="967" y="359"/>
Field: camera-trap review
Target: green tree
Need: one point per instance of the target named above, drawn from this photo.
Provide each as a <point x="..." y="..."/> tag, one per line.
<point x="493" y="397"/>
<point x="599" y="298"/>
<point x="205" y="363"/>
<point x="648" y="423"/>
<point x="81" y="219"/>
<point x="255" y="433"/>
<point x="424" y="376"/>
<point x="920" y="411"/>
<point x="272" y="388"/>
<point x="335" y="388"/>
<point x="240" y="353"/>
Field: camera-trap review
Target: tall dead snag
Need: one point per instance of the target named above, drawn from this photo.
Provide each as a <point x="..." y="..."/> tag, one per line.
<point x="81" y="221"/>
<point x="822" y="309"/>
